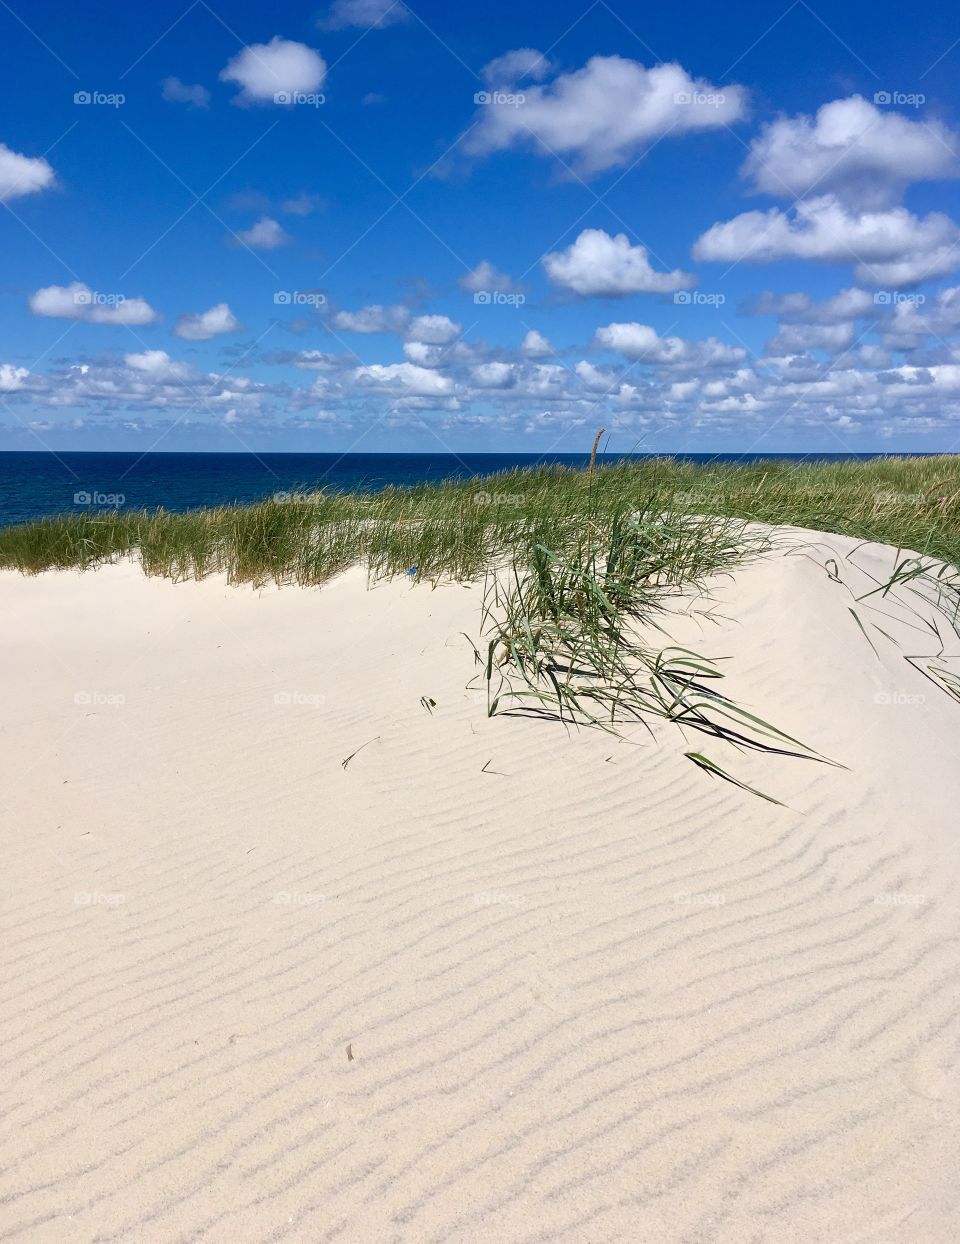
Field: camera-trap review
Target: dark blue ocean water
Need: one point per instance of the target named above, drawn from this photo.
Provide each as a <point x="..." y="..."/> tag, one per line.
<point x="36" y="484"/>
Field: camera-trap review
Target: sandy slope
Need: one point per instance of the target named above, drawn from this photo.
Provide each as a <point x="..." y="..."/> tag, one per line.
<point x="488" y="981"/>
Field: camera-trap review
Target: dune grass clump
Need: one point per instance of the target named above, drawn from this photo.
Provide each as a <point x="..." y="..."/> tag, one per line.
<point x="568" y="635"/>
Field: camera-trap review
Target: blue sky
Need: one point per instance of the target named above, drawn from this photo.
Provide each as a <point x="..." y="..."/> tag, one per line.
<point x="425" y="226"/>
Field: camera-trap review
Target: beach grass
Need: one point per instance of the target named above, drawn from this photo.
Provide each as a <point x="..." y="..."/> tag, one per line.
<point x="459" y="529"/>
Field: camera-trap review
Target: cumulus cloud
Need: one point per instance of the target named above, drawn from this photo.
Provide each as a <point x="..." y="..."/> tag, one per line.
<point x="599" y="265"/>
<point x="494" y="375"/>
<point x="427" y="329"/>
<point x="12" y="378"/>
<point x="513" y="67"/>
<point x="601" y="115"/>
<point x="853" y="149"/>
<point x="888" y="246"/>
<point x="157" y="364"/>
<point x="536" y="346"/>
<point x="907" y="323"/>
<point x="21" y="175"/>
<point x="401" y="379"/>
<point x="207" y="324"/>
<point x="281" y="67"/>
<point x="801" y="338"/>
<point x="149" y="380"/>
<point x="641" y="344"/>
<point x="366" y="14"/>
<point x="486" y="278"/>
<point x="800" y="308"/>
<point x="372" y="319"/>
<point x="646" y="379"/>
<point x="311" y="360"/>
<point x="434" y="330"/>
<point x="859" y="159"/>
<point x="80" y="302"/>
<point x="177" y="92"/>
<point x="266" y="235"/>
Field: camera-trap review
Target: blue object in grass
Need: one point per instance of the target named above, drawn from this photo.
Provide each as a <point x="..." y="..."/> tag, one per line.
<point x="413" y="570"/>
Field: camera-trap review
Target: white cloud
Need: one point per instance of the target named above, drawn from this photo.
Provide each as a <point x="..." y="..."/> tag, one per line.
<point x="266" y="235"/>
<point x="435" y="330"/>
<point x="609" y="267"/>
<point x="602" y="114"/>
<point x="405" y="378"/>
<point x="646" y="381"/>
<point x="536" y="346"/>
<point x="641" y="344"/>
<point x="79" y="302"/>
<point x="316" y="360"/>
<point x="801" y="338"/>
<point x="157" y="364"/>
<point x="859" y="159"/>
<point x="427" y="329"/>
<point x="852" y="148"/>
<point x="507" y="70"/>
<point x="366" y="14"/>
<point x="908" y="325"/>
<point x="178" y="92"/>
<point x="800" y="308"/>
<point x="12" y="378"/>
<point x="372" y="319"/>
<point x="597" y="379"/>
<point x="422" y="354"/>
<point x="492" y="375"/>
<point x="485" y="277"/>
<point x="889" y="246"/>
<point x="207" y="324"/>
<point x="280" y="67"/>
<point x="20" y="174"/>
<point x="301" y="204"/>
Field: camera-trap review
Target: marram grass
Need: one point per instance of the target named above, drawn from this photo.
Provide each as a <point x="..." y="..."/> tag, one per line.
<point x="460" y="528"/>
<point x="578" y="564"/>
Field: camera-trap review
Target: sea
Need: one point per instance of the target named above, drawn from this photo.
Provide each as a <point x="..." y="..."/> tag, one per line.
<point x="40" y="484"/>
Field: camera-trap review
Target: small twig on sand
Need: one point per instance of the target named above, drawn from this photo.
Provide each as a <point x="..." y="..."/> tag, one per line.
<point x="359" y="749"/>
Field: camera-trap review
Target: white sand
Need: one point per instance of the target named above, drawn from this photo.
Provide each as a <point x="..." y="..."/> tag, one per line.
<point x="590" y="994"/>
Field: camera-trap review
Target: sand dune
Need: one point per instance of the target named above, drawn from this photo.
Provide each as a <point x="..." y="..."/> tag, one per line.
<point x="488" y="980"/>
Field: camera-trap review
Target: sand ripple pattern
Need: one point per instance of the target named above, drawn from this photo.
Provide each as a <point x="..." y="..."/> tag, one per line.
<point x="584" y="995"/>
